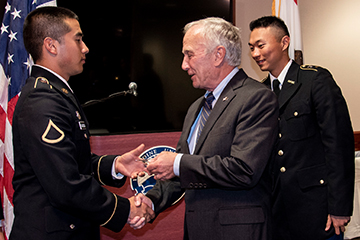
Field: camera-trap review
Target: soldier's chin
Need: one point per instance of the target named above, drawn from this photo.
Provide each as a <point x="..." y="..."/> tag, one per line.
<point x="79" y="71"/>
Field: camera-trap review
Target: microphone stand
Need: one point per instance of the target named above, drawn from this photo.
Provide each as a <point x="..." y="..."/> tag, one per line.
<point x="117" y="94"/>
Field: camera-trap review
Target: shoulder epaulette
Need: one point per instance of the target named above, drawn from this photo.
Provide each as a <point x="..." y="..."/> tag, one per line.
<point x="263" y="80"/>
<point x="43" y="81"/>
<point x="309" y="67"/>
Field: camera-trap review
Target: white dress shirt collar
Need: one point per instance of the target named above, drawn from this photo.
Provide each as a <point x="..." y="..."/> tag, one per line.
<point x="218" y="90"/>
<point x="61" y="78"/>
<point x="282" y="75"/>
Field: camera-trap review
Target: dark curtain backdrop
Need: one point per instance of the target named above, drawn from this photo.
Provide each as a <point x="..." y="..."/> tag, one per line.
<point x="137" y="41"/>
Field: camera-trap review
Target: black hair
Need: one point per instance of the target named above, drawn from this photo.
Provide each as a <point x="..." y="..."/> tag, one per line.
<point x="45" y="22"/>
<point x="271" y="21"/>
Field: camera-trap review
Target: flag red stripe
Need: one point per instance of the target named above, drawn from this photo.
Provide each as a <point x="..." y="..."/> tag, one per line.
<point x="8" y="176"/>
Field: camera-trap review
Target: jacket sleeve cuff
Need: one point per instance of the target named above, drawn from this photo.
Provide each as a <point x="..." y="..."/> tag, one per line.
<point x="119" y="216"/>
<point x="104" y="172"/>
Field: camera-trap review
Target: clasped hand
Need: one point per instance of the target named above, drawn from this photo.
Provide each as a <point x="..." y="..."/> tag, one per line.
<point x="141" y="206"/>
<point x="140" y="211"/>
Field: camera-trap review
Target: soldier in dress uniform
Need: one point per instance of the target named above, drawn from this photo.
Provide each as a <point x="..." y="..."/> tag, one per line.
<point x="313" y="161"/>
<point x="57" y="180"/>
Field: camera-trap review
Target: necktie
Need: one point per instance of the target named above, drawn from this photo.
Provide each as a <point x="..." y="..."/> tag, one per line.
<point x="276" y="87"/>
<point x="205" y="112"/>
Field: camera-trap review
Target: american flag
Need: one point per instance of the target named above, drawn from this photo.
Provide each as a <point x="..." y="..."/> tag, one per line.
<point x="15" y="64"/>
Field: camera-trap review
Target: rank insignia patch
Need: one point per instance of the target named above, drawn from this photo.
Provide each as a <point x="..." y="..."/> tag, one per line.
<point x="53" y="134"/>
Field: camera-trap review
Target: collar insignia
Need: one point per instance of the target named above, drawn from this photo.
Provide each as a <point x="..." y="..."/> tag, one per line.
<point x="65" y="91"/>
<point x="291" y="81"/>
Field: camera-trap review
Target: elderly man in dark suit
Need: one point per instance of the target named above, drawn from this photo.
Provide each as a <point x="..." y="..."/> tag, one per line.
<point x="221" y="163"/>
<point x="57" y="180"/>
<point x="313" y="162"/>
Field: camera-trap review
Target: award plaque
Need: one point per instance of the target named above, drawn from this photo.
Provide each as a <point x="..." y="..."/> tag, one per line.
<point x="147" y="182"/>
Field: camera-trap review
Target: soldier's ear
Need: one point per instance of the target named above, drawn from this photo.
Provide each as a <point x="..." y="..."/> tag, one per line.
<point x="50" y="45"/>
<point x="285" y="42"/>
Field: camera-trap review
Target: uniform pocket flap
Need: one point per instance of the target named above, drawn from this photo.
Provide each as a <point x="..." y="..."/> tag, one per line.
<point x="296" y="110"/>
<point x="241" y="215"/>
<point x="312" y="176"/>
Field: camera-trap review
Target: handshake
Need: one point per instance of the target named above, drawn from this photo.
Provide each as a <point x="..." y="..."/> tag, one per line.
<point x="140" y="211"/>
<point x="129" y="164"/>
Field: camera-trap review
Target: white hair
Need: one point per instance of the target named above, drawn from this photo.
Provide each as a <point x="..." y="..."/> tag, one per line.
<point x="218" y="32"/>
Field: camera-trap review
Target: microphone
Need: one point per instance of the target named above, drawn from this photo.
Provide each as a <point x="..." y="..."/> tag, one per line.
<point x="133" y="87"/>
<point x="132" y="90"/>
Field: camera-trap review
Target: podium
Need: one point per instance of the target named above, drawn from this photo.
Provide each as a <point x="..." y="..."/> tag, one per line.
<point x="168" y="223"/>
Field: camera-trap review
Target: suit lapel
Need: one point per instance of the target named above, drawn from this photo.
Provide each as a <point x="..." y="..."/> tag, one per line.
<point x="221" y="104"/>
<point x="62" y="88"/>
<point x="69" y="94"/>
<point x="290" y="85"/>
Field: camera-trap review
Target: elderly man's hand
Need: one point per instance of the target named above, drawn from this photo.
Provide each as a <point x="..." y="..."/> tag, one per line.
<point x="162" y="166"/>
